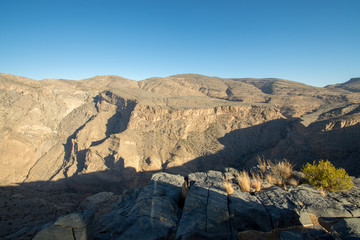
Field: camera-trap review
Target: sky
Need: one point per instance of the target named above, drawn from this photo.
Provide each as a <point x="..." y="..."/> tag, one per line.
<point x="316" y="42"/>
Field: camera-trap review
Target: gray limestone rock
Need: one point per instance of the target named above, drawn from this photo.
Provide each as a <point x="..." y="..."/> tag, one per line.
<point x="75" y="220"/>
<point x="291" y="235"/>
<point x="247" y="212"/>
<point x="315" y="203"/>
<point x="72" y="226"/>
<point x="205" y="214"/>
<point x="349" y="199"/>
<point x="94" y="201"/>
<point x="193" y="222"/>
<point x="347" y="229"/>
<point x="150" y="213"/>
<point x="157" y="211"/>
<point x="315" y="232"/>
<point x="283" y="209"/>
<point x="54" y="232"/>
<point x="146" y="228"/>
<point x="217" y="223"/>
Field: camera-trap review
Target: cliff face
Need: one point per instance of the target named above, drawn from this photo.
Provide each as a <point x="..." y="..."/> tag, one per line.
<point x="31" y="117"/>
<point x="118" y="128"/>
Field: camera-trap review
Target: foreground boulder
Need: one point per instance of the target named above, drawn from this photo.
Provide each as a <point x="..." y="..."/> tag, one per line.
<point x="347" y="228"/>
<point x="152" y="213"/>
<point x="73" y="226"/>
<point x="199" y="207"/>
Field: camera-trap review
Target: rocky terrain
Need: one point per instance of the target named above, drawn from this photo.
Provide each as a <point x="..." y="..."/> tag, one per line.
<point x="161" y="210"/>
<point x="63" y="140"/>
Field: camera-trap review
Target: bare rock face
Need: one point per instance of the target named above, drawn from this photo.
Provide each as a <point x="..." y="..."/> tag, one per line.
<point x="198" y="207"/>
<point x="116" y="129"/>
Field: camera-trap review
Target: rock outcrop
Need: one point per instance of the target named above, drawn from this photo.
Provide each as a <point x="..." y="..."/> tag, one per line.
<point x="198" y="207"/>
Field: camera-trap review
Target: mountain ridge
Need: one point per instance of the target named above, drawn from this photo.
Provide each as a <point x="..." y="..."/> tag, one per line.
<point x="63" y="140"/>
<point x="352" y="80"/>
<point x="55" y="128"/>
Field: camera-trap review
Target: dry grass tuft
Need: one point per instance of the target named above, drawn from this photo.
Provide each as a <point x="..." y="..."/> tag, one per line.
<point x="262" y="164"/>
<point x="228" y="187"/>
<point x="256" y="181"/>
<point x="293" y="181"/>
<point x="282" y="174"/>
<point x="284" y="185"/>
<point x="243" y="180"/>
<point x="322" y="192"/>
<point x="270" y="164"/>
<point x="285" y="169"/>
<point x="274" y="179"/>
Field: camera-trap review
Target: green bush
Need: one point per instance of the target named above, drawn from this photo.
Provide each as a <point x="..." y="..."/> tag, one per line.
<point x="325" y="176"/>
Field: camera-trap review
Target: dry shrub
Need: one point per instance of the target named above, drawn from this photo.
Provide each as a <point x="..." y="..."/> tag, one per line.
<point x="262" y="164"/>
<point x="256" y="181"/>
<point x="324" y="175"/>
<point x="228" y="187"/>
<point x="243" y="180"/>
<point x="274" y="179"/>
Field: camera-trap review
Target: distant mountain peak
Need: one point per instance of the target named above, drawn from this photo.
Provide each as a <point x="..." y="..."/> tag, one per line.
<point x="354" y="80"/>
<point x="353" y="85"/>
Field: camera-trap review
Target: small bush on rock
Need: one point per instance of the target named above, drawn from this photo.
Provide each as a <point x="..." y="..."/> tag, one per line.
<point x="325" y="176"/>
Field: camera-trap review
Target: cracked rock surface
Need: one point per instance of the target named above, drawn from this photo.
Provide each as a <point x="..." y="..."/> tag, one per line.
<point x="198" y="207"/>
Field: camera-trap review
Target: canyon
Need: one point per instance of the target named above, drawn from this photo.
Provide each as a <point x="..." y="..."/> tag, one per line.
<point x="108" y="133"/>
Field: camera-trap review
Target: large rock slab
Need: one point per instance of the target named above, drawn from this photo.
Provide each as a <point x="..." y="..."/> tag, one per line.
<point x="72" y="226"/>
<point x="205" y="214"/>
<point x="95" y="201"/>
<point x="218" y="219"/>
<point x="283" y="209"/>
<point x="54" y="232"/>
<point x="193" y="222"/>
<point x="247" y="212"/>
<point x="349" y="199"/>
<point x="152" y="213"/>
<point x="317" y="204"/>
<point x="347" y="229"/>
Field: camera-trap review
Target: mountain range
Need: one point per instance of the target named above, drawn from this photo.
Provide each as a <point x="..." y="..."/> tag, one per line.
<point x="115" y="127"/>
<point x="63" y="140"/>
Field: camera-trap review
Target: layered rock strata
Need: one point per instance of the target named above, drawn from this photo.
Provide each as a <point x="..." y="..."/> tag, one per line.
<point x="116" y="129"/>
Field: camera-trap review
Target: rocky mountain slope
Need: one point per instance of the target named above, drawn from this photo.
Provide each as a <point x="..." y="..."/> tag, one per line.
<point x="54" y="129"/>
<point x="63" y="140"/>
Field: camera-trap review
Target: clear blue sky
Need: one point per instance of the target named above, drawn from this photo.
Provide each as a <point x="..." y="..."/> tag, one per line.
<point x="316" y="42"/>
